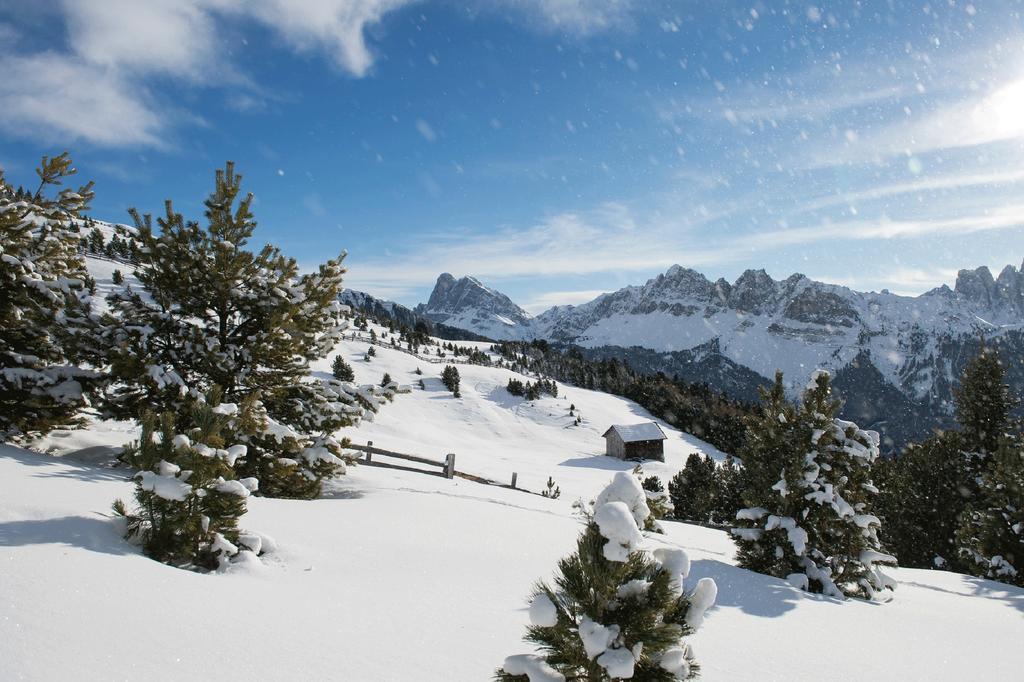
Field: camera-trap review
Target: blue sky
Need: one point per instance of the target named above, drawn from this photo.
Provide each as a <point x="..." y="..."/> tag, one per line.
<point x="553" y="148"/>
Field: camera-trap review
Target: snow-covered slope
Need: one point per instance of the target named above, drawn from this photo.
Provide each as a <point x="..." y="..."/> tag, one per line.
<point x="397" y="575"/>
<point x="493" y="433"/>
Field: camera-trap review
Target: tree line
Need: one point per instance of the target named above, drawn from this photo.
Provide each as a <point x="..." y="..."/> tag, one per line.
<point x="694" y="408"/>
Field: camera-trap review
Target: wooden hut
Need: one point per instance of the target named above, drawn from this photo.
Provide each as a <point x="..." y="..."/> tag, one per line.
<point x="635" y="441"/>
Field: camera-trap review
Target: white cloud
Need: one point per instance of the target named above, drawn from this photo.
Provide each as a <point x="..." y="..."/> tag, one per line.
<point x="1002" y="217"/>
<point x="174" y="37"/>
<point x="922" y="186"/>
<point x="55" y="97"/>
<point x="116" y="45"/>
<point x="336" y="27"/>
<point x="96" y="91"/>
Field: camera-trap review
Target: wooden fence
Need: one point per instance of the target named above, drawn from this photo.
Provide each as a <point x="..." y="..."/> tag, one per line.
<point x="447" y="466"/>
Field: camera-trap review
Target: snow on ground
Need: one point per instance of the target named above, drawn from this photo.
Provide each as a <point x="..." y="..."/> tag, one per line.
<point x="493" y="433"/>
<point x="402" y="576"/>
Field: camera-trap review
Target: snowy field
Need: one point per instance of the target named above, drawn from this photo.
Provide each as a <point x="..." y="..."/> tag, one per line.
<point x="402" y="576"/>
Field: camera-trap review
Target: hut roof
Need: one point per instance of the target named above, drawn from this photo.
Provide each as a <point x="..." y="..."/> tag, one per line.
<point x="634" y="433"/>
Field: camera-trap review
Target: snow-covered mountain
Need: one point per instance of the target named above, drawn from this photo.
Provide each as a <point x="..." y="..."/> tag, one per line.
<point x="467" y="304"/>
<point x="897" y="358"/>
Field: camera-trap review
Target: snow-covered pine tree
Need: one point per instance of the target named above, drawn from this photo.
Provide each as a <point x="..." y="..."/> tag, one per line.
<point x="615" y="611"/>
<point x="983" y="403"/>
<point x="341" y="370"/>
<point x="187" y="500"/>
<point x="991" y="533"/>
<point x="814" y="526"/>
<point x="213" y="314"/>
<point x="45" y="326"/>
<point x="658" y="501"/>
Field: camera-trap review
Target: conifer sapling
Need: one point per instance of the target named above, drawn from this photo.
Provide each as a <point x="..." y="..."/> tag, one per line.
<point x="617" y="609"/>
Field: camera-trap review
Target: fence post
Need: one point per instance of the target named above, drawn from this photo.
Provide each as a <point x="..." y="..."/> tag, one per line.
<point x="449" y="465"/>
<point x="369" y="455"/>
<point x="514" y="477"/>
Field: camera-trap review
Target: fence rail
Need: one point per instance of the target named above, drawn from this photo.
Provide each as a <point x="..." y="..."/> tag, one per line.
<point x="447" y="466"/>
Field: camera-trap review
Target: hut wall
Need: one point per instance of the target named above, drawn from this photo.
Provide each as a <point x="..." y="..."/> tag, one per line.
<point x="646" y="449"/>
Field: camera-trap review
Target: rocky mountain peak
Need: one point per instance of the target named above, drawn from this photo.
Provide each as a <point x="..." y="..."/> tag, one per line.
<point x="1005" y="293"/>
<point x="975" y="285"/>
<point x="683" y="282"/>
<point x="469" y="299"/>
<point x="753" y="292"/>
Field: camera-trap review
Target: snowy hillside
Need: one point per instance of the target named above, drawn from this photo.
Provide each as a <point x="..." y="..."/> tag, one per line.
<point x="396" y="575"/>
<point x="494" y="434"/>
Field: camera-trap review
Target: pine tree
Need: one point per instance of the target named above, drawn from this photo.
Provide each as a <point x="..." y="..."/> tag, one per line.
<point x="615" y="611"/>
<point x="341" y="370"/>
<point x="692" y="490"/>
<point x="991" y="532"/>
<point x="117" y="277"/>
<point x="923" y="492"/>
<point x="770" y="454"/>
<point x="551" y="489"/>
<point x="450" y="378"/>
<point x="188" y="501"/>
<point x="515" y="387"/>
<point x="728" y="495"/>
<point x="933" y="492"/>
<point x="983" y="402"/>
<point x="212" y="314"/>
<point x="814" y="525"/>
<point x="658" y="500"/>
<point x="385" y="380"/>
<point x="46" y="329"/>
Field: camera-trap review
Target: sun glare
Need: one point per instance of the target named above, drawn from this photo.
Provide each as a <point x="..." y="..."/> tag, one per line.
<point x="1001" y="114"/>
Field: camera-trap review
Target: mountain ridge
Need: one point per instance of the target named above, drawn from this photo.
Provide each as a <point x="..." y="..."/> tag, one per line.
<point x="897" y="358"/>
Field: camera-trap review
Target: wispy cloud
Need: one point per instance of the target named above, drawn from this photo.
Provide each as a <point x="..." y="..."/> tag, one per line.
<point x="541" y="303"/>
<point x="56" y="98"/>
<point x="905" y="281"/>
<point x="573" y="17"/>
<point x="614" y="238"/>
<point x="923" y="185"/>
<point x="978" y="119"/>
<point x="610" y="238"/>
<point x="1003" y="217"/>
